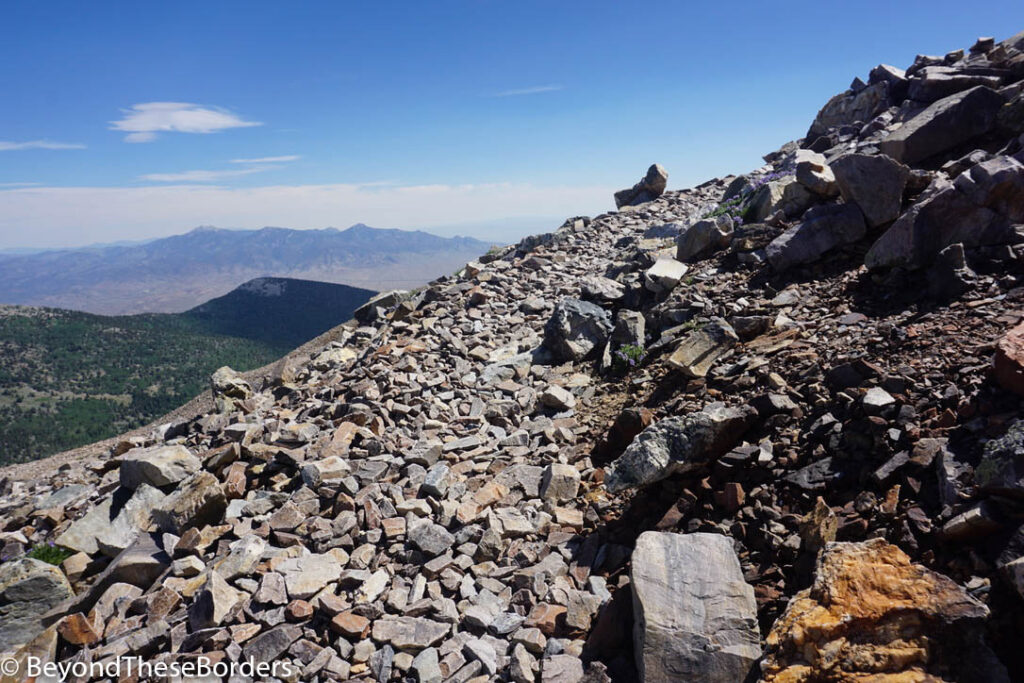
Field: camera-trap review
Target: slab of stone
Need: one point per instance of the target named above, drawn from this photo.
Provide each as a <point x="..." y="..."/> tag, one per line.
<point x="695" y="616"/>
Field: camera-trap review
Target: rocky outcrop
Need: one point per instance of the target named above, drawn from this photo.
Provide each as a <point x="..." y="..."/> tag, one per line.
<point x="871" y="612"/>
<point x="650" y="187"/>
<point x="978" y="209"/>
<point x="695" y="616"/>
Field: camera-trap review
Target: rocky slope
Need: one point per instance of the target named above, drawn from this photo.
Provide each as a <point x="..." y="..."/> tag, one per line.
<point x="767" y="428"/>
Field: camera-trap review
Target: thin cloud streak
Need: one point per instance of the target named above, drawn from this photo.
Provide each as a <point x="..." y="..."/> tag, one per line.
<point x="535" y="90"/>
<point x="268" y="160"/>
<point x="8" y="146"/>
<point x="201" y="176"/>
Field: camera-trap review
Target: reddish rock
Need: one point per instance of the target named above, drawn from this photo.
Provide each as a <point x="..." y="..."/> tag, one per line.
<point x="1008" y="363"/>
<point x="351" y="625"/>
<point x="298" y="610"/>
<point x="548" y="618"/>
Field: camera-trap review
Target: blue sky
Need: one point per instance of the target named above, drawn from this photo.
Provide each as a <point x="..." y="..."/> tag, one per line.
<point x="134" y="120"/>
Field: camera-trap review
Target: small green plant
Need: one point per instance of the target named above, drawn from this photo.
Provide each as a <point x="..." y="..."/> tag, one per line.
<point x="50" y="553"/>
<point x="627" y="356"/>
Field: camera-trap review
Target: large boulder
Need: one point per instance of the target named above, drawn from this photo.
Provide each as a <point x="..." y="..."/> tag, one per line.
<point x="115" y="523"/>
<point x="704" y="238"/>
<point x="873" y="183"/>
<point x="823" y="228"/>
<point x="575" y="329"/>
<point x="871" y="614"/>
<point x="1008" y="362"/>
<point x="979" y="208"/>
<point x="29" y="588"/>
<point x="678" y="444"/>
<point x="695" y="618"/>
<point x="157" y="466"/>
<point x="650" y="187"/>
<point x="943" y="125"/>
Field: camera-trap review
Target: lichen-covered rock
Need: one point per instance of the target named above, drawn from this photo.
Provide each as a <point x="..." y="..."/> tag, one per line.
<point x="872" y="614"/>
<point x="695" y="618"/>
<point x="678" y="444"/>
<point x="1001" y="469"/>
<point x="576" y="328"/>
<point x="28" y="589"/>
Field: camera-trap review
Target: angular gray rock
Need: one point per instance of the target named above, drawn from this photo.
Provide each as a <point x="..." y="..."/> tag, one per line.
<point x="814" y="173"/>
<point x="823" y="228"/>
<point x="695" y="354"/>
<point x="601" y="289"/>
<point x="157" y="466"/>
<point x="704" y="238"/>
<point x="649" y="188"/>
<point x="575" y="329"/>
<point x="695" y="618"/>
<point x="114" y="523"/>
<point x="664" y="275"/>
<point x="678" y="444"/>
<point x="943" y="125"/>
<point x="197" y="501"/>
<point x="873" y="183"/>
<point x="29" y="588"/>
<point x="433" y="539"/>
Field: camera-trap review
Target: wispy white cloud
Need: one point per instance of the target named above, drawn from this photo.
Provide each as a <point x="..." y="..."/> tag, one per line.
<point x="18" y="184"/>
<point x="204" y="176"/>
<point x="142" y="122"/>
<point x="535" y="90"/>
<point x="201" y="176"/>
<point x="267" y="160"/>
<point x="62" y="216"/>
<point x="7" y="146"/>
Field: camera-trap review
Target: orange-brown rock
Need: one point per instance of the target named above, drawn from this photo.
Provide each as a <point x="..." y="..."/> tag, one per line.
<point x="874" y="615"/>
<point x="78" y="630"/>
<point x="1008" y="363"/>
<point x="351" y="625"/>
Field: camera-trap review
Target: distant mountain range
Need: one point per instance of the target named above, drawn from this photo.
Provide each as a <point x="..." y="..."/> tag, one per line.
<point x="69" y="378"/>
<point x="176" y="273"/>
